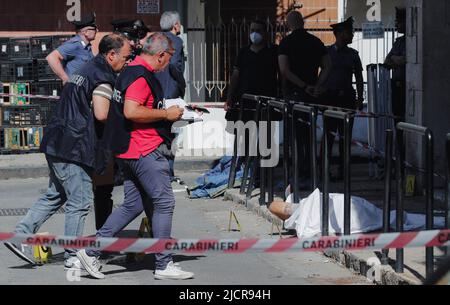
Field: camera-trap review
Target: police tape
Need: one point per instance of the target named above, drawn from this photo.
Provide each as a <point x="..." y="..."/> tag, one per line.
<point x="436" y="238"/>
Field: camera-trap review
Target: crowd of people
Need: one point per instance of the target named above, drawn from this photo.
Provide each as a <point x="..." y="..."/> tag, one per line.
<point x="303" y="69"/>
<point x="110" y="120"/>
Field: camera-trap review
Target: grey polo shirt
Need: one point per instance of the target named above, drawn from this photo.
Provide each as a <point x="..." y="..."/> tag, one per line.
<point x="75" y="53"/>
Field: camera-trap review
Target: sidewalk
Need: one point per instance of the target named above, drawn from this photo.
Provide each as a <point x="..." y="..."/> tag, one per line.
<point x="26" y="166"/>
<point x="354" y="260"/>
<point x="358" y="261"/>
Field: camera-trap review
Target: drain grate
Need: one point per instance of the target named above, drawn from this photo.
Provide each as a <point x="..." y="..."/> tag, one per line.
<point x="22" y="212"/>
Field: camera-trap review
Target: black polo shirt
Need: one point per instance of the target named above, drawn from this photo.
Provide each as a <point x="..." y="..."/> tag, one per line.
<point x="258" y="72"/>
<point x="305" y="52"/>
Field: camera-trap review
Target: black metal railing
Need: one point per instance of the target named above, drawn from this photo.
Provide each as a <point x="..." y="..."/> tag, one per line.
<point x="387" y="191"/>
<point x="311" y="122"/>
<point x="345" y="118"/>
<point x="294" y="113"/>
<point x="403" y="128"/>
<point x="283" y="108"/>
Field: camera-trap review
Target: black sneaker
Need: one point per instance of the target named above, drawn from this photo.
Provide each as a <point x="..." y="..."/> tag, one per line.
<point x="24" y="252"/>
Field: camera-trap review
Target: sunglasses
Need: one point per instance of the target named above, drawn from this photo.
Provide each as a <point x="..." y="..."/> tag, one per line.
<point x="170" y="52"/>
<point x="129" y="57"/>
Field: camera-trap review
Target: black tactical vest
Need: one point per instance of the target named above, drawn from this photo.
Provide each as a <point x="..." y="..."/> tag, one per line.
<point x="71" y="134"/>
<point x="117" y="132"/>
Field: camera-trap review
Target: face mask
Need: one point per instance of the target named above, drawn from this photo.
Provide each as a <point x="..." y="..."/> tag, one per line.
<point x="256" y="38"/>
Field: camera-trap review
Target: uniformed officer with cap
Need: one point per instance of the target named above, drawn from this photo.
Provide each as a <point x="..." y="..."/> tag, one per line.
<point x="74" y="53"/>
<point x="346" y="63"/>
<point x="134" y="30"/>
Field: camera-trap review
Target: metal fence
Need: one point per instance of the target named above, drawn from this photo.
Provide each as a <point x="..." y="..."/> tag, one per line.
<point x="291" y="165"/>
<point x="212" y="52"/>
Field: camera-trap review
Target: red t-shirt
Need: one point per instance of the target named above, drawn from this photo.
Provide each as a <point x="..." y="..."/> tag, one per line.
<point x="144" y="138"/>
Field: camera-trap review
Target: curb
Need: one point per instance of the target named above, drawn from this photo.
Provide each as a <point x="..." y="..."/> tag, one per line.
<point x="194" y="165"/>
<point x="23" y="173"/>
<point x="41" y="170"/>
<point x="382" y="275"/>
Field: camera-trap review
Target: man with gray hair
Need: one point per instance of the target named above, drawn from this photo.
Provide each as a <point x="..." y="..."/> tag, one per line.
<point x="147" y="182"/>
<point x="172" y="78"/>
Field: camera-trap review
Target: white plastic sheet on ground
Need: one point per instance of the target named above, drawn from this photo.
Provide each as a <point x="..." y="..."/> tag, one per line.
<point x="365" y="216"/>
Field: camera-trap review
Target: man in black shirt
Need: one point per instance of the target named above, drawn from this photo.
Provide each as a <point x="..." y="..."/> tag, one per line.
<point x="255" y="72"/>
<point x="300" y="57"/>
<point x="256" y="69"/>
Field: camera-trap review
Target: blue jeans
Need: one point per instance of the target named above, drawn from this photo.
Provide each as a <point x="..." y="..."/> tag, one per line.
<point x="69" y="184"/>
<point x="147" y="188"/>
<point x="171" y="167"/>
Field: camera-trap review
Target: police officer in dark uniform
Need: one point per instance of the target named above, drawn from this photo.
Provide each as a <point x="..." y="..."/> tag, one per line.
<point x="396" y="60"/>
<point x="74" y="53"/>
<point x="134" y="30"/>
<point x="346" y="63"/>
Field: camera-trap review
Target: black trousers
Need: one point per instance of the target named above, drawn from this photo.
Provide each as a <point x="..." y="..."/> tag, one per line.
<point x="249" y="147"/>
<point x="399" y="100"/>
<point x="344" y="99"/>
<point x="103" y="204"/>
<point x="303" y="133"/>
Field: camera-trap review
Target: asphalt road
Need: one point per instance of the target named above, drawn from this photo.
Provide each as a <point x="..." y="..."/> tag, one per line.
<point x="192" y="219"/>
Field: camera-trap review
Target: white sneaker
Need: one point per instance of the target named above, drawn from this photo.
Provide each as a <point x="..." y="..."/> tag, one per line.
<point x="73" y="263"/>
<point x="173" y="272"/>
<point x="91" y="264"/>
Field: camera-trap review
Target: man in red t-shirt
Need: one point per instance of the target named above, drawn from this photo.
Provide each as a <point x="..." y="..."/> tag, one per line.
<point x="147" y="178"/>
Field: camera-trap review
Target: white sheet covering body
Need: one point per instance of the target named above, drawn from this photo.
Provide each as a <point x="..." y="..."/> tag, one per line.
<point x="365" y="216"/>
